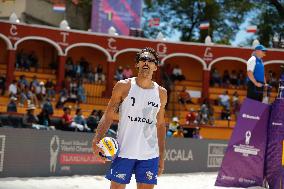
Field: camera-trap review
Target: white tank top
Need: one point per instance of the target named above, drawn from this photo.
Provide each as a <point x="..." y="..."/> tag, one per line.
<point x="137" y="131"/>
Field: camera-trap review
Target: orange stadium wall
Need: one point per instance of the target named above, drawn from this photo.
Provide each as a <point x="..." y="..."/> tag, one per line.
<point x="93" y="56"/>
<point x="45" y="52"/>
<point x="3" y="52"/>
<point x="191" y="69"/>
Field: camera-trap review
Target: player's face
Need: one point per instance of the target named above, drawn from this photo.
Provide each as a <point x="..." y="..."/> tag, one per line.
<point x="147" y="63"/>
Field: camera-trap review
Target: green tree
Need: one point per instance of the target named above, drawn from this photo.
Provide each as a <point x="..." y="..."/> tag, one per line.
<point x="184" y="16"/>
<point x="270" y="20"/>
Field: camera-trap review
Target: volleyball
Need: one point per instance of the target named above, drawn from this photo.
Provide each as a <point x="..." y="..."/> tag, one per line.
<point x="110" y="147"/>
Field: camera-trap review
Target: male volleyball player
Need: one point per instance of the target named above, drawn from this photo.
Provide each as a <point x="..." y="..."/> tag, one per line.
<point x="141" y="128"/>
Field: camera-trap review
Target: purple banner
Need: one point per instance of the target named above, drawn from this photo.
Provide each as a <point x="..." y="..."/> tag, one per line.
<point x="274" y="154"/>
<point x="243" y="164"/>
<point x="121" y="14"/>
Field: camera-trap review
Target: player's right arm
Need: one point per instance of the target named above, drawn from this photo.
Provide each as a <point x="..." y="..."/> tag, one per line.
<point x="109" y="114"/>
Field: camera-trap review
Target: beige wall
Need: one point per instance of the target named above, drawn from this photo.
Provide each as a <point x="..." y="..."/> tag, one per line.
<point x="42" y="10"/>
<point x="8" y="7"/>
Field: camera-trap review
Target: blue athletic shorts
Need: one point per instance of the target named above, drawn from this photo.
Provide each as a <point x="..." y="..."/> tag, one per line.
<point x="121" y="170"/>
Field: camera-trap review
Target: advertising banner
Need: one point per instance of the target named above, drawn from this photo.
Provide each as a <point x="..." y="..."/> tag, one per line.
<point x="243" y="164"/>
<point x="120" y="14"/>
<point x="35" y="153"/>
<point x="275" y="153"/>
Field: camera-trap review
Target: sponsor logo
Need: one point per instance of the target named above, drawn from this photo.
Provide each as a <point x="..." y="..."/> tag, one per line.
<point x="246" y="149"/>
<point x="54" y="150"/>
<point x="153" y="104"/>
<point x="120" y="176"/>
<point x="248" y="135"/>
<point x="224" y="177"/>
<point x="247" y="181"/>
<point x="140" y="120"/>
<point x="2" y="151"/>
<point x="178" y="155"/>
<point x="149" y="175"/>
<point x="273" y="123"/>
<point x="251" y="117"/>
<point x="216" y="153"/>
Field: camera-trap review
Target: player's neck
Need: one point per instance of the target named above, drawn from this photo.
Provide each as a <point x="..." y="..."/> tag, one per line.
<point x="144" y="82"/>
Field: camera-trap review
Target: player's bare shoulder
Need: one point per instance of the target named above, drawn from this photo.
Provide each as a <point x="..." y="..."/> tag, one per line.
<point x="163" y="93"/>
<point x="123" y="87"/>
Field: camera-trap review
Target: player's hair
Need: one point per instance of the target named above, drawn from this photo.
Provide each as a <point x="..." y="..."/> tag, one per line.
<point x="150" y="50"/>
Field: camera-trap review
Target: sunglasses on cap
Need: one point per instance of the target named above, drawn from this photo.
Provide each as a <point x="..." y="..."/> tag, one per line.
<point x="147" y="58"/>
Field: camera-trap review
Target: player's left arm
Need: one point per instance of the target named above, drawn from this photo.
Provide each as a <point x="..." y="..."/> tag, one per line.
<point x="161" y="128"/>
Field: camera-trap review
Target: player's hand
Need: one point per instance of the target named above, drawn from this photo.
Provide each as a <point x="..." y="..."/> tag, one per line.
<point x="161" y="166"/>
<point x="258" y="84"/>
<point x="97" y="150"/>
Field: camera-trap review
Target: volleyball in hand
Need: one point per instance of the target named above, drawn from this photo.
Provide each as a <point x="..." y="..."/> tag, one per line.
<point x="109" y="147"/>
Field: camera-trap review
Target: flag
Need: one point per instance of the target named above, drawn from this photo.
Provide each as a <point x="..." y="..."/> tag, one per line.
<point x="204" y="25"/>
<point x="251" y="29"/>
<point x="59" y="7"/>
<point x="154" y="22"/>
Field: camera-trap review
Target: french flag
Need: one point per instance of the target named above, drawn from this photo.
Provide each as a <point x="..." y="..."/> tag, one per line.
<point x="59" y="7"/>
<point x="204" y="25"/>
<point x="251" y="29"/>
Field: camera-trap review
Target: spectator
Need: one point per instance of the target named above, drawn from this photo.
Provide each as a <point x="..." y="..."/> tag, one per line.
<point x="81" y="94"/>
<point x="225" y="114"/>
<point x="196" y="133"/>
<point x="178" y="133"/>
<point x="272" y="81"/>
<point x="63" y="96"/>
<point x="174" y="125"/>
<point x="69" y="67"/>
<point x="184" y="97"/>
<point x="44" y="120"/>
<point x="66" y="119"/>
<point x="78" y="70"/>
<point x="93" y="120"/>
<point x="41" y="92"/>
<point x="190" y="117"/>
<point x="226" y="80"/>
<point x="34" y="83"/>
<point x="2" y="84"/>
<point x="127" y="72"/>
<point x="80" y="122"/>
<point x="84" y="65"/>
<point x="30" y="118"/>
<point x="50" y="91"/>
<point x="99" y="75"/>
<point x="119" y="73"/>
<point x="23" y="82"/>
<point x="177" y="74"/>
<point x="235" y="103"/>
<point x="215" y="78"/>
<point x="224" y="100"/>
<point x="47" y="106"/>
<point x="33" y="60"/>
<point x="241" y="78"/>
<point x="234" y="78"/>
<point x="204" y="114"/>
<point x="13" y="89"/>
<point x="12" y="105"/>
